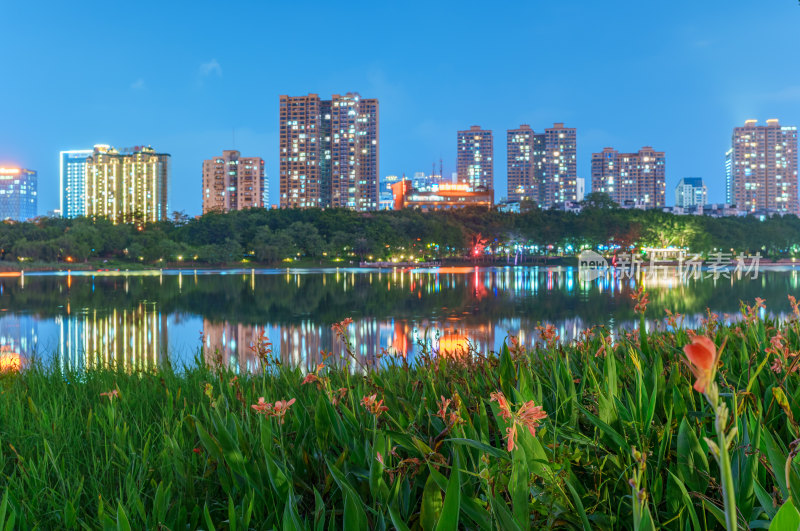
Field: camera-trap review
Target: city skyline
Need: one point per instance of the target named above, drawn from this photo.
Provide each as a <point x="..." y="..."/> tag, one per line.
<point x="186" y="98"/>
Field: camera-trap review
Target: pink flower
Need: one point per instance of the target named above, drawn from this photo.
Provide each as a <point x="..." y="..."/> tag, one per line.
<point x="340" y="394"/>
<point x="262" y="407"/>
<point x="505" y="409"/>
<point x="529" y="416"/>
<point x="379" y="457"/>
<point x="111" y="395"/>
<point x="281" y="408"/>
<point x="310" y="378"/>
<point x="702" y="358"/>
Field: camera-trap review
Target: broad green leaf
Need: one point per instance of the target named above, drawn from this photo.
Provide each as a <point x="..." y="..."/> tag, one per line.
<point x="431" y="505"/>
<point x="448" y="520"/>
<point x="787" y="519"/>
<point x="692" y="460"/>
<point x="519" y="489"/>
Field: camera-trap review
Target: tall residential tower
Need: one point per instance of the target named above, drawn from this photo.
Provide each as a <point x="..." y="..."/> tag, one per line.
<point x="524" y="164"/>
<point x="560" y="170"/>
<point x="72" y="182"/>
<point x="475" y="159"/>
<point x="128" y="186"/>
<point x="631" y="179"/>
<point x="761" y="168"/>
<point x="329" y="152"/>
<point x="233" y="182"/>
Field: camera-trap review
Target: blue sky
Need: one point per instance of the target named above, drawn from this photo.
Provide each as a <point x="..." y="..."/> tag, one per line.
<point x="184" y="76"/>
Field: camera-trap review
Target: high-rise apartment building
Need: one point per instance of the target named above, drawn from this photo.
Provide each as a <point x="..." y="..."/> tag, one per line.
<point x="761" y="168"/>
<point x="72" y="182"/>
<point x="691" y="192"/>
<point x="128" y="186"/>
<point x="329" y="152"/>
<point x="559" y="166"/>
<point x="631" y="179"/>
<point x="18" y="194"/>
<point x="524" y="164"/>
<point x="475" y="159"/>
<point x="233" y="182"/>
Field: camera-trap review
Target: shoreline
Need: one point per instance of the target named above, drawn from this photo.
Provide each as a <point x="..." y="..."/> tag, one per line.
<point x="6" y="271"/>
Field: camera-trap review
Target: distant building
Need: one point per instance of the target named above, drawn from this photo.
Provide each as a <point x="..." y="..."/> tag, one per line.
<point x="761" y="168"/>
<point x="72" y="182"/>
<point x="634" y="180"/>
<point x="443" y="196"/>
<point x="580" y="188"/>
<point x="128" y="186"/>
<point x="329" y="152"/>
<point x="509" y="206"/>
<point x="233" y="182"/>
<point x="385" y="198"/>
<point x="729" y="176"/>
<point x="559" y="166"/>
<point x="524" y="163"/>
<point x="18" y="194"/>
<point x="475" y="158"/>
<point x="690" y="192"/>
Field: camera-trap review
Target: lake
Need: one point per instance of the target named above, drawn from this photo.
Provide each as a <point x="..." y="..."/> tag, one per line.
<point x="85" y="319"/>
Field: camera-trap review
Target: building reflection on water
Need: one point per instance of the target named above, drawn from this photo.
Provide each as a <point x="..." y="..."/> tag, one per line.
<point x="100" y="320"/>
<point x="303" y="344"/>
<point x="19" y="339"/>
<point x="131" y="339"/>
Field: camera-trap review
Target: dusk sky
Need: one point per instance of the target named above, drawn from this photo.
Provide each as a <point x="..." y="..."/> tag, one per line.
<point x="182" y="77"/>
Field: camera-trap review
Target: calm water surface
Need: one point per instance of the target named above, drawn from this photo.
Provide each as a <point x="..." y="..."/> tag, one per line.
<point x="81" y="320"/>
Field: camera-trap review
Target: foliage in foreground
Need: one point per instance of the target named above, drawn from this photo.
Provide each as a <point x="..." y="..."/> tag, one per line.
<point x="446" y="443"/>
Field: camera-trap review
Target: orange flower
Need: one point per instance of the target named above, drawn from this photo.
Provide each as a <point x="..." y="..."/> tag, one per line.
<point x="340" y="394"/>
<point x="262" y="406"/>
<point x="702" y="355"/>
<point x="111" y="395"/>
<point x="374" y="406"/>
<point x="443" y="407"/>
<point x="511" y="436"/>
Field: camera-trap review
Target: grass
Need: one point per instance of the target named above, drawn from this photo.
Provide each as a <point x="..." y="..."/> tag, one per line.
<point x="625" y="444"/>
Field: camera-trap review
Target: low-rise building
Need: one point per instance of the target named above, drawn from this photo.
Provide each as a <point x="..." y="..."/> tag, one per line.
<point x="440" y="197"/>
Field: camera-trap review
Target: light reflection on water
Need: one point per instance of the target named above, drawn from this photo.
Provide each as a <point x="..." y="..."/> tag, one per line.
<point x="83" y="320"/>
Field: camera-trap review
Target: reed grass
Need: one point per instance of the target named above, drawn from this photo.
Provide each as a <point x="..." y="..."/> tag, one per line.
<point x="624" y="445"/>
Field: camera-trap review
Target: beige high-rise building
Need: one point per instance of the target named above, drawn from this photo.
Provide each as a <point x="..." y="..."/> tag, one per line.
<point x="524" y="161"/>
<point x="475" y="158"/>
<point x="631" y="179"/>
<point x="233" y="182"/>
<point x="559" y="166"/>
<point x="129" y="186"/>
<point x="329" y="152"/>
<point x="761" y="168"/>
